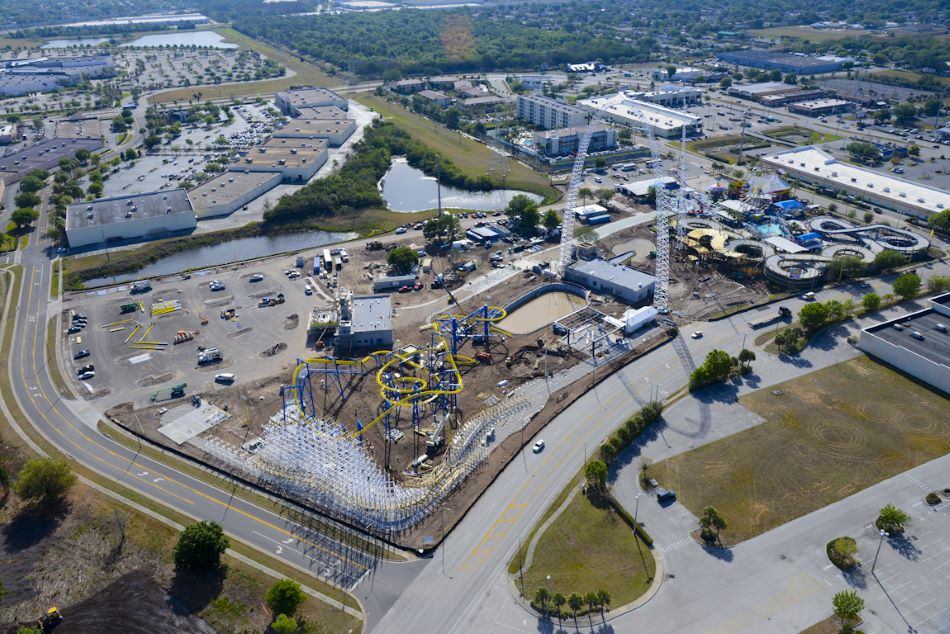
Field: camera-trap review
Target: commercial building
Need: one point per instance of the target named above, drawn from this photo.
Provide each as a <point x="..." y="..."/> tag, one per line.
<point x="775" y="101"/>
<point x="759" y="90"/>
<point x="322" y="112"/>
<point x="639" y="190"/>
<point x="23" y="77"/>
<point x="673" y="96"/>
<point x="435" y="97"/>
<point x="566" y="140"/>
<point x="334" y="131"/>
<point x="624" y="108"/>
<point x="821" y="107"/>
<point x="625" y="283"/>
<point x="918" y="343"/>
<point x="228" y="192"/>
<point x="366" y="321"/>
<point x="550" y="114"/>
<point x="8" y="133"/>
<point x="785" y="62"/>
<point x="135" y="217"/>
<point x="295" y="165"/>
<point x="682" y="73"/>
<point x="291" y="101"/>
<point x="812" y="165"/>
<point x="45" y="155"/>
<point x="536" y="82"/>
<point x="587" y="67"/>
<point x="392" y="283"/>
<point x="78" y="126"/>
<point x="484" y="103"/>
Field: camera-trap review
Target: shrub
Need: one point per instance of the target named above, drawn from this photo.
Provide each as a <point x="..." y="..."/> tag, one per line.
<point x="841" y="551"/>
<point x="284" y="624"/>
<point x="44" y="479"/>
<point x="932" y="499"/>
<point x="892" y="519"/>
<point x="284" y="597"/>
<point x="200" y="546"/>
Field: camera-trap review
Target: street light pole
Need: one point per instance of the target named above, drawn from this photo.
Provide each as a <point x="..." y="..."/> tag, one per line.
<point x="879" y="544"/>
<point x="636" y="510"/>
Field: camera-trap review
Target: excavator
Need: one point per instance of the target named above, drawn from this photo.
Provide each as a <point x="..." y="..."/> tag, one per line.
<point x="50" y="620"/>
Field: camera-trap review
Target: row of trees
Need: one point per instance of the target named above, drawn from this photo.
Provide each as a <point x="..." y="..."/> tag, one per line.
<point x="524" y="216"/>
<point x="548" y="602"/>
<point x="627" y="432"/>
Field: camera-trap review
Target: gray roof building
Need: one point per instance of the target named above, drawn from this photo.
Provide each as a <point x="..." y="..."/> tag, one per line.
<point x="129" y="217"/>
<point x="625" y="283"/>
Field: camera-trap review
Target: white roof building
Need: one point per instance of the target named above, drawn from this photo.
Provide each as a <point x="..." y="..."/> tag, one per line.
<point x="813" y="165"/>
<point x="624" y="108"/>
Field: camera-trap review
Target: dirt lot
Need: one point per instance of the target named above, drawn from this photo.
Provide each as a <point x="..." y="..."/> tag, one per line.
<point x="828" y="435"/>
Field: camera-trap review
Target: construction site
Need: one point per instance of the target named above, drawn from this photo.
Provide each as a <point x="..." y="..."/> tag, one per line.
<point x="373" y="395"/>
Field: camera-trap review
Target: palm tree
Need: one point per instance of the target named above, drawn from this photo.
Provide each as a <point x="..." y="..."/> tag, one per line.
<point x="591" y="600"/>
<point x="541" y="598"/>
<point x="585" y="192"/>
<point x="603" y="598"/>
<point x="711" y="519"/>
<point x="558" y="600"/>
<point x="575" y="601"/>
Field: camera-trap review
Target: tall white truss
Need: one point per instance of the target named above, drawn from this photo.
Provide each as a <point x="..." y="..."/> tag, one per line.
<point x="570" y="201"/>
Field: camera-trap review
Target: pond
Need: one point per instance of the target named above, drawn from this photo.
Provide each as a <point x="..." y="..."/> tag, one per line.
<point x="87" y="41"/>
<point x="227" y="252"/>
<point x="204" y="39"/>
<point x="407" y="189"/>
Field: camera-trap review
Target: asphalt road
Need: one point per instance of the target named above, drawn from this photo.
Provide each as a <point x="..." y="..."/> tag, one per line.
<point x="71" y="426"/>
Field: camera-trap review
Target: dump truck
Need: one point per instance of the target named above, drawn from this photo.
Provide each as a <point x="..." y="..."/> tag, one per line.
<point x="209" y="355"/>
<point x="271" y="301"/>
<point x="140" y="287"/>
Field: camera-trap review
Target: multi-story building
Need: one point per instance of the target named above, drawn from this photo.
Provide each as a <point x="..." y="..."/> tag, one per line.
<point x="550" y="114"/>
<point x="566" y="140"/>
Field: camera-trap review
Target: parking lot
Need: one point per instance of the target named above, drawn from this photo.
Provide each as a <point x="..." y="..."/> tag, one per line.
<point x="258" y="342"/>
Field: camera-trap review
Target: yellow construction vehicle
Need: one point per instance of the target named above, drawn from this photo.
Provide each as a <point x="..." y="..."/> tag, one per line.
<point x="51" y="619"/>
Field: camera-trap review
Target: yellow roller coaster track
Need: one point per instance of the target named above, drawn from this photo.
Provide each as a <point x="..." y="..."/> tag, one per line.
<point x="416" y="387"/>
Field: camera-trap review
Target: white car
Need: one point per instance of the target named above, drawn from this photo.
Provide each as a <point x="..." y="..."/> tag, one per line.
<point x="697" y="335"/>
<point x="85" y="376"/>
<point x="538" y="447"/>
<point x="257" y="277"/>
<point x="400" y="230"/>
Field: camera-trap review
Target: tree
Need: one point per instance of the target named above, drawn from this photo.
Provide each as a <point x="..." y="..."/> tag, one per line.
<point x="725" y="83"/>
<point x="452" y="118"/>
<point x="888" y="259"/>
<point x="524" y="212"/>
<point x="847" y="606"/>
<point x="941" y="220"/>
<point x="541" y="598"/>
<point x="907" y="285"/>
<point x="575" y="602"/>
<point x="44" y="479"/>
<point x="284" y="597"/>
<point x="83" y="155"/>
<point x="558" y="600"/>
<point x="670" y="71"/>
<point x="746" y="357"/>
<point x="717" y="367"/>
<point x="600" y="162"/>
<point x="551" y="220"/>
<point x="863" y="152"/>
<point x="402" y="259"/>
<point x="585" y="193"/>
<point x="284" y="624"/>
<point x="868" y="217"/>
<point x="813" y="316"/>
<point x="591" y="600"/>
<point x="596" y="474"/>
<point x="871" y="302"/>
<point x="711" y="522"/>
<point x="26" y="199"/>
<point x="905" y="113"/>
<point x="31" y="183"/>
<point x="938" y="283"/>
<point x="23" y="216"/>
<point x="845" y="267"/>
<point x="892" y="519"/>
<point x="200" y="546"/>
<point x="790" y="340"/>
<point x="603" y="599"/>
<point x="442" y="229"/>
<point x="914" y="150"/>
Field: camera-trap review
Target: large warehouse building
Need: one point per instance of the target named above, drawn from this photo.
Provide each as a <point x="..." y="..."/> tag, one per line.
<point x="24" y="77"/>
<point x="812" y="165"/>
<point x="785" y="62"/>
<point x="550" y="114"/>
<point x="625" y="108"/>
<point x="626" y="284"/>
<point x="291" y="101"/>
<point x="918" y="343"/>
<point x="45" y="155"/>
<point x="295" y="164"/>
<point x="225" y="194"/>
<point x="335" y="131"/>
<point x="136" y="217"/>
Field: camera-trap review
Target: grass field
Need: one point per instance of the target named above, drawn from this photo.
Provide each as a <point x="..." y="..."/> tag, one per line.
<point x="587" y="549"/>
<point x="809" y="34"/>
<point x="306" y="74"/>
<point x="469" y="155"/>
<point x="907" y="75"/>
<point x="830" y="434"/>
<point x="801" y="135"/>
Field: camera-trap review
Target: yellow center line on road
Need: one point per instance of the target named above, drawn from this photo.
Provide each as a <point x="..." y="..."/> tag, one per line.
<point x="133" y="463"/>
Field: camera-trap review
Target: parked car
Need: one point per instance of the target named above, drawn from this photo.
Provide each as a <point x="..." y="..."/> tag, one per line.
<point x="257" y="277"/>
<point x="665" y="495"/>
<point x="86" y="368"/>
<point x="85" y="376"/>
<point x="697" y="334"/>
<point x="80" y="354"/>
<point x="74" y="329"/>
<point x="400" y="230"/>
<point x="538" y="447"/>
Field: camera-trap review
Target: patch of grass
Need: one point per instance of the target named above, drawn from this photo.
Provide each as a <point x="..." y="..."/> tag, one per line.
<point x="57" y="272"/>
<point x="809" y="34"/>
<point x="830" y="434"/>
<point x="472" y="157"/>
<point x="714" y="142"/>
<point x="907" y="76"/>
<point x="802" y="135"/>
<point x="7" y="243"/>
<point x="306" y="74"/>
<point x="51" y="364"/>
<point x="590" y="548"/>
<point x="831" y="625"/>
<point x="519" y="556"/>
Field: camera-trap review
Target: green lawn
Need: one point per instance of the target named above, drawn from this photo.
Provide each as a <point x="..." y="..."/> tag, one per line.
<point x="808" y="33"/>
<point x="829" y="434"/>
<point x="801" y="135"/>
<point x="469" y="155"/>
<point x="587" y="549"/>
<point x="907" y="75"/>
<point x="306" y="74"/>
